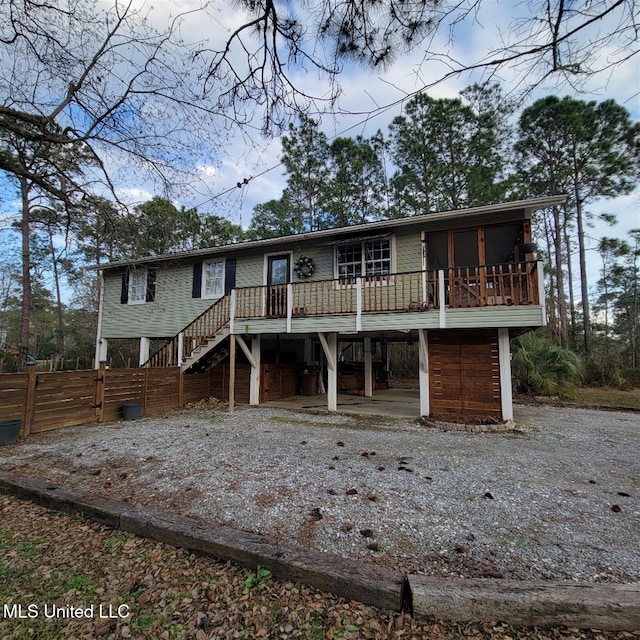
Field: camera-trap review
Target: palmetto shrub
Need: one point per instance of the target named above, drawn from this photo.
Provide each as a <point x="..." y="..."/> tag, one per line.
<point x="542" y="368"/>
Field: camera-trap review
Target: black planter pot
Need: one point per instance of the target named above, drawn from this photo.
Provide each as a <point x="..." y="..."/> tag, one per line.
<point x="131" y="410"/>
<point x="9" y="431"/>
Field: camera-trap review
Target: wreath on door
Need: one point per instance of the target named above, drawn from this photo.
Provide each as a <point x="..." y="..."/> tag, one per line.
<point x="304" y="267"/>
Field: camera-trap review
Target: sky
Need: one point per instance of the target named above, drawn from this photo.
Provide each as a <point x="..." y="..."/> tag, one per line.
<point x="248" y="155"/>
<point x="365" y="90"/>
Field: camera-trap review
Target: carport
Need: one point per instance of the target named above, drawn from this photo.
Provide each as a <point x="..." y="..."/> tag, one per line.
<point x="400" y="403"/>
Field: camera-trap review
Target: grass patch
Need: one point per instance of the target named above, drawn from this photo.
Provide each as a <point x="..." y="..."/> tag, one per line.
<point x="608" y="397"/>
<point x="114" y="543"/>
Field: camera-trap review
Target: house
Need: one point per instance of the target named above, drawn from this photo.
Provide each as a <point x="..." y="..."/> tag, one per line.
<point x="458" y="283"/>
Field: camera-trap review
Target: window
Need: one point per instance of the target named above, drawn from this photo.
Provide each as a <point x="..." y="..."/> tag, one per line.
<point x="137" y="286"/>
<point x="213" y="278"/>
<point x="349" y="261"/>
<point x="368" y="257"/>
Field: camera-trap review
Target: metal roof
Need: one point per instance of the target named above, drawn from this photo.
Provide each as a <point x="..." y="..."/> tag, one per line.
<point x="528" y="207"/>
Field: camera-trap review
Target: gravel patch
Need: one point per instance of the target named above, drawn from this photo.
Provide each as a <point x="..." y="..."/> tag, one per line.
<point x="559" y="498"/>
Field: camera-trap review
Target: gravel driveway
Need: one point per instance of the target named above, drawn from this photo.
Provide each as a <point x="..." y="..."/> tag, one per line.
<point x="557" y="499"/>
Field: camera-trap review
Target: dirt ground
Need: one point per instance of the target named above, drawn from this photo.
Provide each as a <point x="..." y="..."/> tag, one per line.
<point x="559" y="498"/>
<point x="144" y="589"/>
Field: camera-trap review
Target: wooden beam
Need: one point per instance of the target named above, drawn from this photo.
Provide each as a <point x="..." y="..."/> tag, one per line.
<point x="423" y="372"/>
<point x="247" y="352"/>
<point x="537" y="604"/>
<point x="254" y="376"/>
<point x="368" y="368"/>
<point x="331" y="361"/>
<point x="30" y="400"/>
<point x="358" y="304"/>
<point x="289" y="306"/>
<point x="232" y="372"/>
<point x="504" y="357"/>
<point x="329" y="343"/>
<point x="442" y="300"/>
<point x="180" y="388"/>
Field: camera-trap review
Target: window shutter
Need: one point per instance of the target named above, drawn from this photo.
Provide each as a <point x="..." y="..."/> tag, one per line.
<point x="229" y="275"/>
<point x="151" y="285"/>
<point x="124" y="294"/>
<point x="196" y="291"/>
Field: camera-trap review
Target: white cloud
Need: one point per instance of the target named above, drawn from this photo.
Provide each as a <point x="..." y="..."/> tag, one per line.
<point x="249" y="156"/>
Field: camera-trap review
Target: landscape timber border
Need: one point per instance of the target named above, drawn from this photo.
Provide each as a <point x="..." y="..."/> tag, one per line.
<point x="603" y="606"/>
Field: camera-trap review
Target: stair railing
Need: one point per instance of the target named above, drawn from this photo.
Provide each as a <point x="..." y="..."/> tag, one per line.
<point x="193" y="335"/>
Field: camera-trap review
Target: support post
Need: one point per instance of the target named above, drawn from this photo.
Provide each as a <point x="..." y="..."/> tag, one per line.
<point x="358" y="304"/>
<point x="542" y="300"/>
<point x="101" y="343"/>
<point x="100" y="388"/>
<point x="180" y="388"/>
<point x="442" y="299"/>
<point x="254" y="389"/>
<point x="232" y="372"/>
<point x="368" y="368"/>
<point x="30" y="400"/>
<point x="423" y="372"/>
<point x="504" y="358"/>
<point x="289" y="306"/>
<point x="180" y="348"/>
<point x="329" y="343"/>
<point x="254" y="378"/>
<point x="101" y="351"/>
<point x="145" y="344"/>
<point x="232" y="311"/>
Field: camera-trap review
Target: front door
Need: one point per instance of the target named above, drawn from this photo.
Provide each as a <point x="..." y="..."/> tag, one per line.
<point x="278" y="277"/>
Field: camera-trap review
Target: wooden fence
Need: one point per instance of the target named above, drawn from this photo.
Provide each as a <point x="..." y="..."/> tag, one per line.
<point x="46" y="401"/>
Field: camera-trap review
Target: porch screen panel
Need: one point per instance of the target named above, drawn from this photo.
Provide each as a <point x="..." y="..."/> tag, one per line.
<point x="501" y="243"/>
<point x="437" y="251"/>
<point x="465" y="249"/>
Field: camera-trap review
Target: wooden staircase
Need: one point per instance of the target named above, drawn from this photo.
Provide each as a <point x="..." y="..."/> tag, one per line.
<point x="197" y="339"/>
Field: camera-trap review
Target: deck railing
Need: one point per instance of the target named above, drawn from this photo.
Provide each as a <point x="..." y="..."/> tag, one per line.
<point x="492" y="285"/>
<point x="454" y="288"/>
<point x="462" y="287"/>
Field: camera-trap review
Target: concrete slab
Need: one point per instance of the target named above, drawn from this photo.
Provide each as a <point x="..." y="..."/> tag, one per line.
<point x="399" y="403"/>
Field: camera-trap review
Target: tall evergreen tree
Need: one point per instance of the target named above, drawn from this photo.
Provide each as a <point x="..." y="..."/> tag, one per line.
<point x="353" y="193"/>
<point x="305" y="157"/>
<point x="450" y="153"/>
<point x="274" y="219"/>
<point x="594" y="149"/>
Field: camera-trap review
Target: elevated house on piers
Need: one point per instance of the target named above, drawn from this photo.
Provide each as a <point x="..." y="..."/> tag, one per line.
<point x="458" y="283"/>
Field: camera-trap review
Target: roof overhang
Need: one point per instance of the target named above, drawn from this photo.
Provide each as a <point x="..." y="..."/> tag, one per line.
<point x="437" y="219"/>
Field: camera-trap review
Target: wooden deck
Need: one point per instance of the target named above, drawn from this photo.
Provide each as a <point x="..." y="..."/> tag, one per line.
<point x="460" y="297"/>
